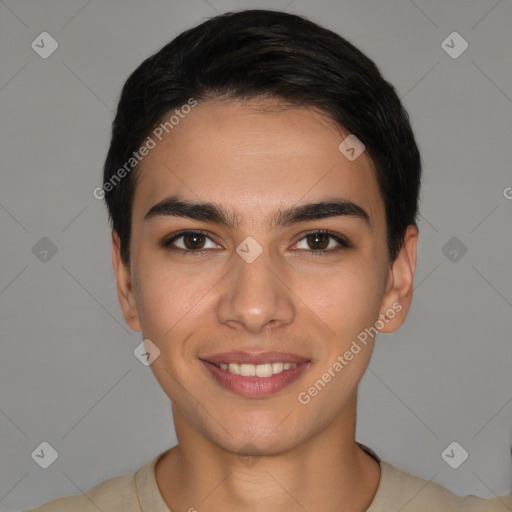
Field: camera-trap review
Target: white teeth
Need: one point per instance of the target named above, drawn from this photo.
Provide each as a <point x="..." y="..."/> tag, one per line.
<point x="264" y="370"/>
<point x="277" y="367"/>
<point x="234" y="368"/>
<point x="260" y="370"/>
<point x="247" y="370"/>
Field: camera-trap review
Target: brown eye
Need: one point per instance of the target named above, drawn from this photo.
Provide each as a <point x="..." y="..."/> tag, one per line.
<point x="323" y="242"/>
<point x="318" y="241"/>
<point x="193" y="240"/>
<point x="189" y="242"/>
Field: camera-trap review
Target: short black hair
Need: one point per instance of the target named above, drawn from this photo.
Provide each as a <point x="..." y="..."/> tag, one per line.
<point x="263" y="53"/>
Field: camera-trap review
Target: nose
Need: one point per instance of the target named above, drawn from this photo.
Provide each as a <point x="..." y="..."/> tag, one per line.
<point x="255" y="295"/>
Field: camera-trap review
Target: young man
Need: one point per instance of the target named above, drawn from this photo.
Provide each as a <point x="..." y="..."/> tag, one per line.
<point x="262" y="183"/>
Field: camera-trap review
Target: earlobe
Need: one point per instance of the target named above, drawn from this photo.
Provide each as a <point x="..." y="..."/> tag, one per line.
<point x="125" y="291"/>
<point x="398" y="297"/>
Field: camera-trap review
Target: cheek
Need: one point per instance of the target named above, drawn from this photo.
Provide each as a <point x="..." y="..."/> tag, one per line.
<point x="347" y="302"/>
<point x="347" y="299"/>
<point x="166" y="298"/>
<point x="170" y="309"/>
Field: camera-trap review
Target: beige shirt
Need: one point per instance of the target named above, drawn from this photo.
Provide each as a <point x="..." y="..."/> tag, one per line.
<point x="397" y="491"/>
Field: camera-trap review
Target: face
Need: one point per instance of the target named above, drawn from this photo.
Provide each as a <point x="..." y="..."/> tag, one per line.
<point x="256" y="270"/>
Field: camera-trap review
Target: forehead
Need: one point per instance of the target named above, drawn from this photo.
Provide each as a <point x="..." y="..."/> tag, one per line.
<point x="254" y="158"/>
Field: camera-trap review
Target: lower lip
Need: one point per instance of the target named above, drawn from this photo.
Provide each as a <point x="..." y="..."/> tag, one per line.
<point x="256" y="386"/>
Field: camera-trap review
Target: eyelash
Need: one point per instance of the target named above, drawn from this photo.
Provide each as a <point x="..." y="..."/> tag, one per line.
<point x="344" y="244"/>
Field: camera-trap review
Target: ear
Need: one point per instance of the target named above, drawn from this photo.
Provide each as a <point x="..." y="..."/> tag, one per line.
<point x="398" y="296"/>
<point x="125" y="291"/>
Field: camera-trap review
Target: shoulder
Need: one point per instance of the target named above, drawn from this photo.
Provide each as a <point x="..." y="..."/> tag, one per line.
<point x="399" y="490"/>
<point x="117" y="494"/>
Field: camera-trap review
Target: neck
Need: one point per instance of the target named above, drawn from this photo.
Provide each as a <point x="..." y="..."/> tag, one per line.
<point x="199" y="474"/>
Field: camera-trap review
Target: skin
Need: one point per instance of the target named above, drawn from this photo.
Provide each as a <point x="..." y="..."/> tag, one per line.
<point x="253" y="163"/>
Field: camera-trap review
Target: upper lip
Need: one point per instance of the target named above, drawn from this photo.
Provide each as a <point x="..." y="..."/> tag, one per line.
<point x="255" y="358"/>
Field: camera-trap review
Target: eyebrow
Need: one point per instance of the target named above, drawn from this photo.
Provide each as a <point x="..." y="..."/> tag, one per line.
<point x="210" y="212"/>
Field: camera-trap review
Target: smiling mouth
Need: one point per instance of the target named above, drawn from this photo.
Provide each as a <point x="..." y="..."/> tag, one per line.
<point x="264" y="370"/>
<point x="255" y="381"/>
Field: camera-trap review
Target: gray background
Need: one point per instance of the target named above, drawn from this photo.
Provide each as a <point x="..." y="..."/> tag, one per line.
<point x="68" y="375"/>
